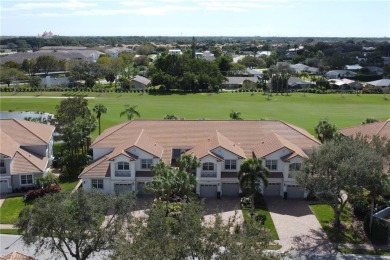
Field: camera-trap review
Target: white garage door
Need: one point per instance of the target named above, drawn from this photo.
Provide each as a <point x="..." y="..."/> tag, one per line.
<point x="230" y="189"/>
<point x="122" y="187"/>
<point x="141" y="189"/>
<point x="294" y="192"/>
<point x="272" y="190"/>
<point x="4" y="186"/>
<point x="208" y="191"/>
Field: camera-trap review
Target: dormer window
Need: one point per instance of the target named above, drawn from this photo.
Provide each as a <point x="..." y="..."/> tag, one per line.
<point x="272" y="165"/>
<point x="230" y="164"/>
<point x="146" y="163"/>
<point x="123" y="166"/>
<point x="208" y="166"/>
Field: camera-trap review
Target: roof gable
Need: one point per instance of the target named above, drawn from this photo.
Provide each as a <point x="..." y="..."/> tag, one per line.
<point x="376" y="128"/>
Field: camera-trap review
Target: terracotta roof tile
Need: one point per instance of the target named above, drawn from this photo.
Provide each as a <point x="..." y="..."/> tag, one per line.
<point x="8" y="146"/>
<point x="377" y="128"/>
<point x="27" y="133"/>
<point x="18" y="256"/>
<point x="274" y="142"/>
<point x="216" y="140"/>
<point x="26" y="162"/>
<point x="98" y="168"/>
<point x="240" y="137"/>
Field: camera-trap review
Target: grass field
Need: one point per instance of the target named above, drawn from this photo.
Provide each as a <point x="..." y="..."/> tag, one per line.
<point x="325" y="216"/>
<point x="269" y="223"/>
<point x="9" y="211"/>
<point x="303" y="111"/>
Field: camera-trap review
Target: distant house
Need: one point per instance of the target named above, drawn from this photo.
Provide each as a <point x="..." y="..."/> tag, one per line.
<point x="49" y="81"/>
<point x="114" y="52"/>
<point x="375" y="70"/>
<point x="299" y="68"/>
<point x="379" y="83"/>
<point x="175" y="52"/>
<point x="297" y="83"/>
<point x="334" y="74"/>
<point x="255" y="72"/>
<point x="26" y="152"/>
<point x="259" y="54"/>
<point x="355" y="67"/>
<point x="123" y="155"/>
<point x="345" y="84"/>
<point x="139" y="82"/>
<point x="239" y="82"/>
<point x="207" y="55"/>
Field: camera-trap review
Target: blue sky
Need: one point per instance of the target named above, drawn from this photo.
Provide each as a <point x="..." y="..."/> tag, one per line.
<point x="314" y="18"/>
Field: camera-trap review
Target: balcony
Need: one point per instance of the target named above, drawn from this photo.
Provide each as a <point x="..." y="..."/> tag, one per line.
<point x="208" y="174"/>
<point x="122" y="173"/>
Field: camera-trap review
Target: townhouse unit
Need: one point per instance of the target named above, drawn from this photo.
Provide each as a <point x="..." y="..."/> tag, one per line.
<point x="124" y="154"/>
<point x="26" y="151"/>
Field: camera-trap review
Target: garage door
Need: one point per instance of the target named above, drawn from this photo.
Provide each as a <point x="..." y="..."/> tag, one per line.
<point x="208" y="191"/>
<point x="230" y="189"/>
<point x="122" y="187"/>
<point x="272" y="190"/>
<point x="294" y="192"/>
<point x="141" y="189"/>
<point x="3" y="186"/>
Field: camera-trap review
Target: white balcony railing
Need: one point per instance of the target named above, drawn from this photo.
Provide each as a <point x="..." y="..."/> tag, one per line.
<point x="208" y="174"/>
<point x="122" y="173"/>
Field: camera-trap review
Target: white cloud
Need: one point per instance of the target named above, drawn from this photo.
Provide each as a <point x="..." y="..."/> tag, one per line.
<point x="29" y="5"/>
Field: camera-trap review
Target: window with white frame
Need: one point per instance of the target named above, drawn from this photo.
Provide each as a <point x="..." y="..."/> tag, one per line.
<point x="295" y="167"/>
<point x="26" y="179"/>
<point x="272" y="165"/>
<point x="123" y="166"/>
<point x="230" y="164"/>
<point x="208" y="166"/>
<point x="97" y="183"/>
<point x="146" y="163"/>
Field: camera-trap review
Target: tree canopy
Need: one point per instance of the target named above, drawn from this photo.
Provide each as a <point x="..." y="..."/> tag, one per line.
<point x="76" y="223"/>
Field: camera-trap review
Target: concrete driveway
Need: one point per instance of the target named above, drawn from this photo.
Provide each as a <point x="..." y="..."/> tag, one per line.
<point x="297" y="226"/>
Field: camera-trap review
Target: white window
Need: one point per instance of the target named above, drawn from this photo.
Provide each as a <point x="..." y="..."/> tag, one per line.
<point x="146" y="163"/>
<point x="123" y="166"/>
<point x="230" y="164"/>
<point x="26" y="179"/>
<point x="97" y="183"/>
<point x="272" y="165"/>
<point x="295" y="167"/>
<point x="208" y="166"/>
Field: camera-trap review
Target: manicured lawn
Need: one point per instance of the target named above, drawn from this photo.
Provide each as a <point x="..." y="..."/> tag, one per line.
<point x="268" y="222"/>
<point x="297" y="109"/>
<point x="10" y="209"/>
<point x="68" y="185"/>
<point x="9" y="231"/>
<point x="325" y="216"/>
<point x="364" y="251"/>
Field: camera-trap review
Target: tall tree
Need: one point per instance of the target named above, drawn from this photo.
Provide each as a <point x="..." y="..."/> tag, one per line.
<point x="339" y="169"/>
<point x="99" y="109"/>
<point x="46" y="63"/>
<point x="130" y="112"/>
<point x="72" y="222"/>
<point x="325" y="131"/>
<point x="251" y="174"/>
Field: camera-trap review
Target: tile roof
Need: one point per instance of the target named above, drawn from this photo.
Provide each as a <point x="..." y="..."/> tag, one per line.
<point x="8" y="146"/>
<point x="377" y="128"/>
<point x="164" y="135"/>
<point x="17" y="256"/>
<point x="216" y="140"/>
<point x="26" y="162"/>
<point x="98" y="168"/>
<point x="274" y="142"/>
<point x="26" y="132"/>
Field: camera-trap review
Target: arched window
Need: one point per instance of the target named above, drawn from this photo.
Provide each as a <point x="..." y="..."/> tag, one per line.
<point x="208" y="166"/>
<point x="123" y="166"/>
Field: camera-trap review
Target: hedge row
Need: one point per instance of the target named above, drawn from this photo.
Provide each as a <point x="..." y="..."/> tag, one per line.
<point x="37" y="193"/>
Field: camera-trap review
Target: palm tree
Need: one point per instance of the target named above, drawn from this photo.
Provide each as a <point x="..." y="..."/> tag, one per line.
<point x="99" y="109"/>
<point x="251" y="172"/>
<point x="130" y="111"/>
<point x="235" y="115"/>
